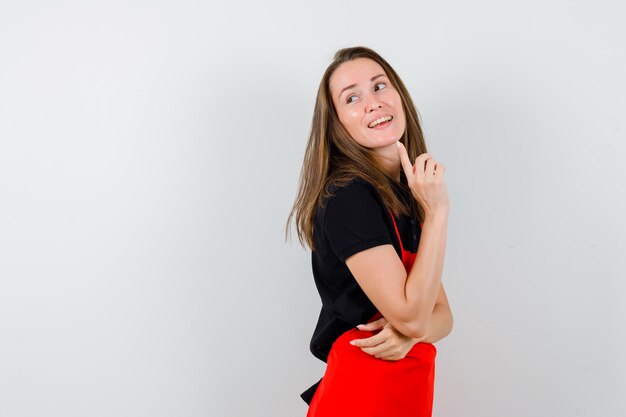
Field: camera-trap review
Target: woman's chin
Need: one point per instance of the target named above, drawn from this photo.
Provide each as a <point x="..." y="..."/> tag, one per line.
<point x="384" y="143"/>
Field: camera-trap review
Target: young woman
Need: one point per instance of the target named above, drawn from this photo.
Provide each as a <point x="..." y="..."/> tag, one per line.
<point x="376" y="224"/>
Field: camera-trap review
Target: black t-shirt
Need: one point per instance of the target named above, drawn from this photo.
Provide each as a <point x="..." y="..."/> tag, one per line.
<point x="352" y="220"/>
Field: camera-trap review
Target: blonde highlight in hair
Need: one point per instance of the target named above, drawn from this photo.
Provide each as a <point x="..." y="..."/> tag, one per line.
<point x="332" y="157"/>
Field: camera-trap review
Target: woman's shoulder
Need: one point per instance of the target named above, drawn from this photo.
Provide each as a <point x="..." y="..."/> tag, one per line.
<point x="354" y="219"/>
<point x="350" y="196"/>
<point x="354" y="187"/>
<point x="354" y="198"/>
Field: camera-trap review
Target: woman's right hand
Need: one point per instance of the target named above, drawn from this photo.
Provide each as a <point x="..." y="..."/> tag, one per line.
<point x="425" y="179"/>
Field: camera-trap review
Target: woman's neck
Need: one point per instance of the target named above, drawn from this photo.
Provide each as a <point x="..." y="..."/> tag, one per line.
<point x="390" y="160"/>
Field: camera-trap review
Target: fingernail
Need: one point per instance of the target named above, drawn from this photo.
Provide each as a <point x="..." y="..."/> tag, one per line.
<point x="352" y="342"/>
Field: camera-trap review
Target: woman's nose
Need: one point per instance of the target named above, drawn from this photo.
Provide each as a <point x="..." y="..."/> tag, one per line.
<point x="372" y="104"/>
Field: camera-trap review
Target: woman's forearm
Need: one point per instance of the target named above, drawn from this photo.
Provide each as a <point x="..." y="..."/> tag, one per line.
<point x="423" y="280"/>
<point x="439" y="325"/>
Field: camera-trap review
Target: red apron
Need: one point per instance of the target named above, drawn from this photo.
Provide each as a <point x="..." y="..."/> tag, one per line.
<point x="356" y="383"/>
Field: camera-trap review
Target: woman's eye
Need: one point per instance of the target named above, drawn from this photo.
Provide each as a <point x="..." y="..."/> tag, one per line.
<point x="375" y="85"/>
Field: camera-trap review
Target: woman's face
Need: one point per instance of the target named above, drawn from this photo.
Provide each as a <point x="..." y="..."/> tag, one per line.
<point x="362" y="93"/>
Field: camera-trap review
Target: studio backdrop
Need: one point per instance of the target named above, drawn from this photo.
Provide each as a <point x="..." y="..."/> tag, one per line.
<point x="150" y="154"/>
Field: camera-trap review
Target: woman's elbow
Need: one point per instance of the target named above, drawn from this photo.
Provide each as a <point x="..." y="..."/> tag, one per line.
<point x="413" y="328"/>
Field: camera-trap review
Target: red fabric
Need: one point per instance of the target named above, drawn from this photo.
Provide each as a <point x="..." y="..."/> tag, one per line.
<point x="356" y="383"/>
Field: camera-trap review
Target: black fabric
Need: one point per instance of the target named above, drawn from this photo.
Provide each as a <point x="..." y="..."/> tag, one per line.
<point x="352" y="220"/>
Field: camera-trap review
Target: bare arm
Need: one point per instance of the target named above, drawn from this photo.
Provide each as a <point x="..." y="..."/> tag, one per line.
<point x="391" y="344"/>
<point x="424" y="279"/>
<point x="406" y="301"/>
<point x="441" y="320"/>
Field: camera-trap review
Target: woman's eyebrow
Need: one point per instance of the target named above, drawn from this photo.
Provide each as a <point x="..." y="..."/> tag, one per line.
<point x="354" y="85"/>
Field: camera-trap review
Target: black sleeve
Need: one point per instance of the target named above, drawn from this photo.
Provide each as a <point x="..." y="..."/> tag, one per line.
<point x="355" y="220"/>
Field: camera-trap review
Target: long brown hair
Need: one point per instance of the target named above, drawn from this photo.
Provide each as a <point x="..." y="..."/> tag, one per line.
<point x="332" y="157"/>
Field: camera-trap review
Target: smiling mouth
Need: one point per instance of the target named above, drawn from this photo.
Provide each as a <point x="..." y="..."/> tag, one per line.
<point x="380" y="122"/>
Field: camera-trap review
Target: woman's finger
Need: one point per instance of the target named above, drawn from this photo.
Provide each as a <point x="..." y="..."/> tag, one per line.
<point x="430" y="168"/>
<point x="420" y="164"/>
<point x="375" y="350"/>
<point x="369" y="341"/>
<point x="405" y="161"/>
<point x="375" y="325"/>
<point x="391" y="358"/>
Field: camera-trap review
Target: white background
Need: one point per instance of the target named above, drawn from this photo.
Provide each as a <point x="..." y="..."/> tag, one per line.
<point x="150" y="154"/>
